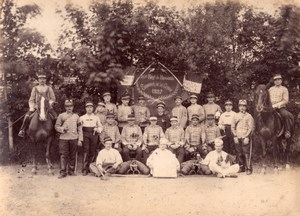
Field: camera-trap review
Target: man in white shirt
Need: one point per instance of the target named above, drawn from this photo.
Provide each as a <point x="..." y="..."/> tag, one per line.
<point x="279" y="96"/>
<point x="219" y="162"/>
<point x="108" y="160"/>
<point x="91" y="127"/>
<point x="225" y="124"/>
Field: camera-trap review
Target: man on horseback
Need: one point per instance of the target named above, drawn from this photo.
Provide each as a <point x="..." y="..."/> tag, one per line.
<point x="279" y="96"/>
<point x="41" y="89"/>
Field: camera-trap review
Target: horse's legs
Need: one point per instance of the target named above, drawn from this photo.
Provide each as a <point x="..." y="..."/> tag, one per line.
<point x="286" y="154"/>
<point x="264" y="153"/>
<point x="275" y="143"/>
<point x="48" y="158"/>
<point x="33" y="156"/>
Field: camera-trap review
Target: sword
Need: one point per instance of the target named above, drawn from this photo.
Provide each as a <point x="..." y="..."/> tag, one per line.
<point x="76" y="162"/>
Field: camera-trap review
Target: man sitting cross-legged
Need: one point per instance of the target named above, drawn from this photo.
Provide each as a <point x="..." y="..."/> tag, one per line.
<point x="108" y="160"/>
<point x="220" y="163"/>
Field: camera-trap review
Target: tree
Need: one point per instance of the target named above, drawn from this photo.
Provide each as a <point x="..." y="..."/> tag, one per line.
<point x="21" y="50"/>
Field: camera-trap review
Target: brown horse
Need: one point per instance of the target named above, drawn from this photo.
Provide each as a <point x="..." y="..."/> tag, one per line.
<point x="270" y="129"/>
<point x="41" y="131"/>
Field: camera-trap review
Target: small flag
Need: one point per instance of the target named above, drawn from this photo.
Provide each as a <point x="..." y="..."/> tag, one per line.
<point x="128" y="80"/>
<point x="192" y="82"/>
<point x="129" y="75"/>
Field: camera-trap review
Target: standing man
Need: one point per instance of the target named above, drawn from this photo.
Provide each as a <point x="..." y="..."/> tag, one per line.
<point x="69" y="127"/>
<point x="211" y="108"/>
<point x="279" y="96"/>
<point x="101" y="112"/>
<point x="152" y="134"/>
<point x="91" y="127"/>
<point x="109" y="106"/>
<point x="175" y="135"/>
<point x="132" y="138"/>
<point x="225" y="123"/>
<point x="242" y="129"/>
<point x="163" y="118"/>
<point x="41" y="89"/>
<point x="124" y="110"/>
<point x="180" y="111"/>
<point x="194" y="138"/>
<point x="195" y="109"/>
<point x="141" y="113"/>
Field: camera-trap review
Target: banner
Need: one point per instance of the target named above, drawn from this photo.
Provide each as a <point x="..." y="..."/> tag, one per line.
<point x="157" y="83"/>
<point x="192" y="82"/>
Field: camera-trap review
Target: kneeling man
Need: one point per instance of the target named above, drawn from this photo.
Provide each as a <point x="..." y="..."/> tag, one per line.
<point x="162" y="161"/>
<point x="219" y="162"/>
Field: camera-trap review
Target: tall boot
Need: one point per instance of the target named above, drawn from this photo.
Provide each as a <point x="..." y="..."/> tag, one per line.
<point x="63" y="167"/>
<point x="25" y="124"/>
<point x="85" y="164"/>
<point x="241" y="163"/>
<point x="248" y="164"/>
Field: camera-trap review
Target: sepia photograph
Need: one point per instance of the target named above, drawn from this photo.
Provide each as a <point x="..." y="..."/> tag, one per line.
<point x="150" y="107"/>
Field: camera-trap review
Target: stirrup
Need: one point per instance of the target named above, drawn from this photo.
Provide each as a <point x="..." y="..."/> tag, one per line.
<point x="21" y="133"/>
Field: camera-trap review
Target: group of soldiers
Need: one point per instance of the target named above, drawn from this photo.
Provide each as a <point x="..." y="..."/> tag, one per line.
<point x="131" y="133"/>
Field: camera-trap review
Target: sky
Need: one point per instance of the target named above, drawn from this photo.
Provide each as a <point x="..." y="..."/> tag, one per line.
<point x="49" y="23"/>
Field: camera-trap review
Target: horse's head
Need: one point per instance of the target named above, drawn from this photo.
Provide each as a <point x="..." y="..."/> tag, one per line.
<point x="262" y="99"/>
<point x="43" y="107"/>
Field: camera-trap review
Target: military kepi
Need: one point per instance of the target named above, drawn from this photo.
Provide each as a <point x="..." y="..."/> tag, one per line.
<point x="242" y="102"/>
<point x="69" y="103"/>
<point x="277" y="76"/>
<point x="89" y="103"/>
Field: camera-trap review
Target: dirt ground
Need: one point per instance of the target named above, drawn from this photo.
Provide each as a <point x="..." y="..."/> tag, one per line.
<point x="77" y="195"/>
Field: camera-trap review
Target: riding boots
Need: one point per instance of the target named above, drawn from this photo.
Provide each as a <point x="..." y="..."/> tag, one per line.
<point x="248" y="164"/>
<point x="25" y="124"/>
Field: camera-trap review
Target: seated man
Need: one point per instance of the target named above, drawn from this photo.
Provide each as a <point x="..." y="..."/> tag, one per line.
<point x="212" y="132"/>
<point x="175" y="135"/>
<point x="162" y="162"/>
<point x="108" y="160"/>
<point x="152" y="134"/>
<point x="194" y="137"/>
<point x="220" y="163"/>
<point x="41" y="89"/>
<point x="111" y="130"/>
<point x="279" y="96"/>
<point x="131" y="137"/>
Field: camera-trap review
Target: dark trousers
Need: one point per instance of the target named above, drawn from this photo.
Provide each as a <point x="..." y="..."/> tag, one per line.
<point x="179" y="152"/>
<point x="243" y="154"/>
<point x="287" y="118"/>
<point x="89" y="149"/>
<point x="228" y="140"/>
<point x="146" y="154"/>
<point x="67" y="152"/>
<point x="128" y="154"/>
